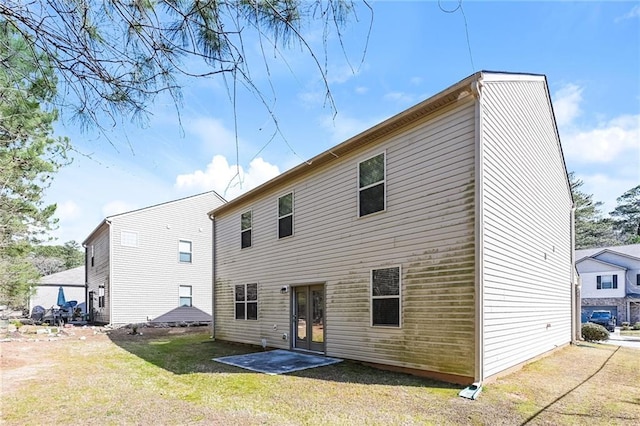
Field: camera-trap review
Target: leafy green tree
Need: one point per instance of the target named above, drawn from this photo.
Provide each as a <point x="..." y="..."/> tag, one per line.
<point x="114" y="57"/>
<point x="591" y="229"/>
<point x="29" y="156"/>
<point x="49" y="259"/>
<point x="626" y="216"/>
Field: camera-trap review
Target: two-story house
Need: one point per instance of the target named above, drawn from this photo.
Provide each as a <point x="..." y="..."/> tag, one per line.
<point x="611" y="281"/>
<point x="152" y="264"/>
<point x="438" y="242"/>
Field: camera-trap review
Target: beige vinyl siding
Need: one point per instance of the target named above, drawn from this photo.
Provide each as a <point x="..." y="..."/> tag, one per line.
<point x="98" y="274"/>
<point x="146" y="278"/>
<point x="427" y="229"/>
<point x="526" y="207"/>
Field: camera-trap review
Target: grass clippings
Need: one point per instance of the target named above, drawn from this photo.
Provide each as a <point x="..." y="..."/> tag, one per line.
<point x="167" y="376"/>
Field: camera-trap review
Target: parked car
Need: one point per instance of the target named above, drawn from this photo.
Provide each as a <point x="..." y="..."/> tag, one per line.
<point x="603" y="318"/>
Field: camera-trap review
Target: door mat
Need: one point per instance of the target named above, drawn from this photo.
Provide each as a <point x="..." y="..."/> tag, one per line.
<point x="277" y="361"/>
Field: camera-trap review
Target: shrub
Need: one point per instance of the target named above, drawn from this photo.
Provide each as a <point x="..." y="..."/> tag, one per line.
<point x="593" y="332"/>
<point x="625" y="323"/>
<point x="636" y="326"/>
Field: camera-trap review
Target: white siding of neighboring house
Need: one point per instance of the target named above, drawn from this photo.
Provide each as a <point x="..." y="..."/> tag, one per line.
<point x="146" y="278"/>
<point x="98" y="273"/>
<point x="47" y="295"/>
<point x="427" y="229"/>
<point x="526" y="211"/>
<point x="590" y="269"/>
<point x="633" y="269"/>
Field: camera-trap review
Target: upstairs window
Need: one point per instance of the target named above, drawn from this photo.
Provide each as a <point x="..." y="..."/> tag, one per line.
<point x="285" y="215"/>
<point x="385" y="297"/>
<point x="372" y="186"/>
<point x="246" y="301"/>
<point x="185" y="295"/>
<point x="245" y="229"/>
<point x="605" y="282"/>
<point x="129" y="239"/>
<point x="93" y="256"/>
<point x="184" y="249"/>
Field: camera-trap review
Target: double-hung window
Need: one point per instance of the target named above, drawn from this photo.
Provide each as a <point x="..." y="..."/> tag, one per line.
<point x="372" y="185"/>
<point x="385" y="297"/>
<point x="605" y="282"/>
<point x="285" y="215"/>
<point x="185" y="295"/>
<point x="246" y="301"/>
<point x="184" y="249"/>
<point x="101" y="303"/>
<point x="246" y="224"/>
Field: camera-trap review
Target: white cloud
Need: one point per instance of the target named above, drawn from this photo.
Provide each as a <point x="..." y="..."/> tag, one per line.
<point x="361" y="90"/>
<point x="228" y="180"/>
<point x="608" y="142"/>
<point x="401" y="97"/>
<point x="67" y="210"/>
<point x="342" y="127"/>
<point x="566" y="104"/>
<point x="633" y="13"/>
<point x="341" y="74"/>
<point x="213" y="134"/>
<point x="117" y="207"/>
<point x="613" y="188"/>
<point x="604" y="153"/>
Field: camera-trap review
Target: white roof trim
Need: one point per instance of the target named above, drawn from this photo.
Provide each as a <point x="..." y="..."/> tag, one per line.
<point x="602" y="262"/>
<point x="617" y="253"/>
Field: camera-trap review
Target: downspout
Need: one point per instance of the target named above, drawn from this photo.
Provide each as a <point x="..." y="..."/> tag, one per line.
<point x="476" y="88"/>
<point x="86" y="284"/>
<point x="575" y="283"/>
<point x="213" y="277"/>
<point x="110" y="277"/>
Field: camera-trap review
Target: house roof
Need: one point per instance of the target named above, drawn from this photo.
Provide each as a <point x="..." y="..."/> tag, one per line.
<point x="73" y="276"/>
<point x="460" y="90"/>
<point x="631" y="250"/>
<point x="591" y="259"/>
<point x="118" y="215"/>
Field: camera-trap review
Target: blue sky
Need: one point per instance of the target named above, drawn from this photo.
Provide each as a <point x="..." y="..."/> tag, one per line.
<point x="589" y="51"/>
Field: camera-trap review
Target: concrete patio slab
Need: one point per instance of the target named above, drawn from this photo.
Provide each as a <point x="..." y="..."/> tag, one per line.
<point x="277" y="361"/>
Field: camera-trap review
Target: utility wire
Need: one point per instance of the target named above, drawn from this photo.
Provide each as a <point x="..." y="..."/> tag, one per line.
<point x="466" y="27"/>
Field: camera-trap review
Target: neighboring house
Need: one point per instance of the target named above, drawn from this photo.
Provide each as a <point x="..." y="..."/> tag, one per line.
<point x="72" y="282"/>
<point x="611" y="281"/>
<point x="146" y="264"/>
<point x="438" y="242"/>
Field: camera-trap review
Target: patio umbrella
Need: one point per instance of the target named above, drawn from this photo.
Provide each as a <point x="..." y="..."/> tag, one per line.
<point x="61" y="299"/>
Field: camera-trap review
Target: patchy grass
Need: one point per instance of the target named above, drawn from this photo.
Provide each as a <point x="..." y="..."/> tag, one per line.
<point x="635" y="333"/>
<point x="161" y="378"/>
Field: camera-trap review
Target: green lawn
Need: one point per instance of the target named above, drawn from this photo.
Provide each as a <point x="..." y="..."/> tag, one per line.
<point x="172" y="380"/>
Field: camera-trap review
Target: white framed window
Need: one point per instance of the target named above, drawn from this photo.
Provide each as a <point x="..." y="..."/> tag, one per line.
<point x="129" y="239"/>
<point x="372" y="187"/>
<point x="606" y="282"/>
<point x="285" y="215"/>
<point x="246" y="224"/>
<point x="185" y="294"/>
<point x="386" y="297"/>
<point x="93" y="256"/>
<point x="184" y="250"/>
<point x="246" y="301"/>
<point x="101" y="303"/>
